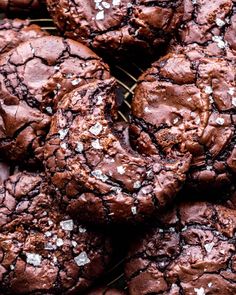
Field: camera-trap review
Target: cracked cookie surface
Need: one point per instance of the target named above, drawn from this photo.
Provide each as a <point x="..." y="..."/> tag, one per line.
<point x="116" y="25"/>
<point x="42" y="250"/>
<point x="191" y="252"/>
<point x="13" y="32"/>
<point x="97" y="174"/>
<point x="33" y="77"/>
<point x="209" y="24"/>
<point x="20" y="6"/>
<point x="186" y="101"/>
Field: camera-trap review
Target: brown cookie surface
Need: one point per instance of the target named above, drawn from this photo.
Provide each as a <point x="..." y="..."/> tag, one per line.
<point x="210" y="24"/>
<point x="33" y="77"/>
<point x="43" y="250"/>
<point x="99" y="177"/>
<point x="13" y="32"/>
<point x="21" y="6"/>
<point x="186" y="101"/>
<point x="191" y="252"/>
<point x="115" y="25"/>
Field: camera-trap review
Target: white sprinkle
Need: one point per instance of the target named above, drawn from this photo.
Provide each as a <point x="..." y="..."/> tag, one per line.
<point x="209" y="168"/>
<point x="220" y="22"/>
<point x="220" y="42"/>
<point x="99" y="175"/>
<point x="63" y="145"/>
<point x="79" y="147"/>
<point x="137" y="184"/>
<point x="48" y="234"/>
<point x="59" y="242"/>
<point x="115" y="2"/>
<point x="209" y="247"/>
<point x="121" y="170"/>
<point x="96" y="129"/>
<point x="99" y="100"/>
<point x="49" y="110"/>
<point x="189" y="99"/>
<point x="57" y="67"/>
<point x="100" y="15"/>
<point x="12" y="267"/>
<point x="75" y="82"/>
<point x="63" y="133"/>
<point x="231" y="91"/>
<point x="82" y="229"/>
<point x="134" y="210"/>
<point x="67" y="224"/>
<point x="208" y="90"/>
<point x="200" y="291"/>
<point x="147" y="110"/>
<point x="209" y="285"/>
<point x="74" y="243"/>
<point x="82" y="259"/>
<point x="106" y="5"/>
<point x="96" y="144"/>
<point x="234" y="101"/>
<point x="176" y="120"/>
<point x="34" y="259"/>
<point x="220" y="121"/>
<point x="184" y="228"/>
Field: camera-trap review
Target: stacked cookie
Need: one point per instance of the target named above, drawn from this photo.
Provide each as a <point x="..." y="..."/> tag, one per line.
<point x="79" y="166"/>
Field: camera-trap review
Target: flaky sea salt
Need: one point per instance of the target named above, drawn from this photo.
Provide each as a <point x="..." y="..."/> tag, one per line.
<point x="82" y="259"/>
<point x="34" y="259"/>
<point x="67" y="224"/>
<point x="99" y="175"/>
<point x="220" y="121"/>
<point x="120" y="170"/>
<point x="96" y="129"/>
<point x="79" y="147"/>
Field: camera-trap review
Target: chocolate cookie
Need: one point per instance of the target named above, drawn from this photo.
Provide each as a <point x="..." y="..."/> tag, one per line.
<point x="106" y="291"/>
<point x="20" y="6"/>
<point x="97" y="174"/>
<point x="192" y="252"/>
<point x="33" y="76"/>
<point x="14" y="32"/>
<point x="115" y="26"/>
<point x="210" y="24"/>
<point x="187" y="101"/>
<point x="42" y="250"/>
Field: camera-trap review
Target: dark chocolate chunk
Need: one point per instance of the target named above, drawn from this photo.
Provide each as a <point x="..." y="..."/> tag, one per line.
<point x="42" y="250"/>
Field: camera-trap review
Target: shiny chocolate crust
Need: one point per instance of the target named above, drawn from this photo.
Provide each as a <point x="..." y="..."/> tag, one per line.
<point x="33" y="77"/>
<point x="20" y="6"/>
<point x="186" y="101"/>
<point x="115" y="26"/>
<point x="42" y="250"/>
<point x="99" y="177"/>
<point x="13" y="32"/>
<point x="191" y="252"/>
<point x="211" y="24"/>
